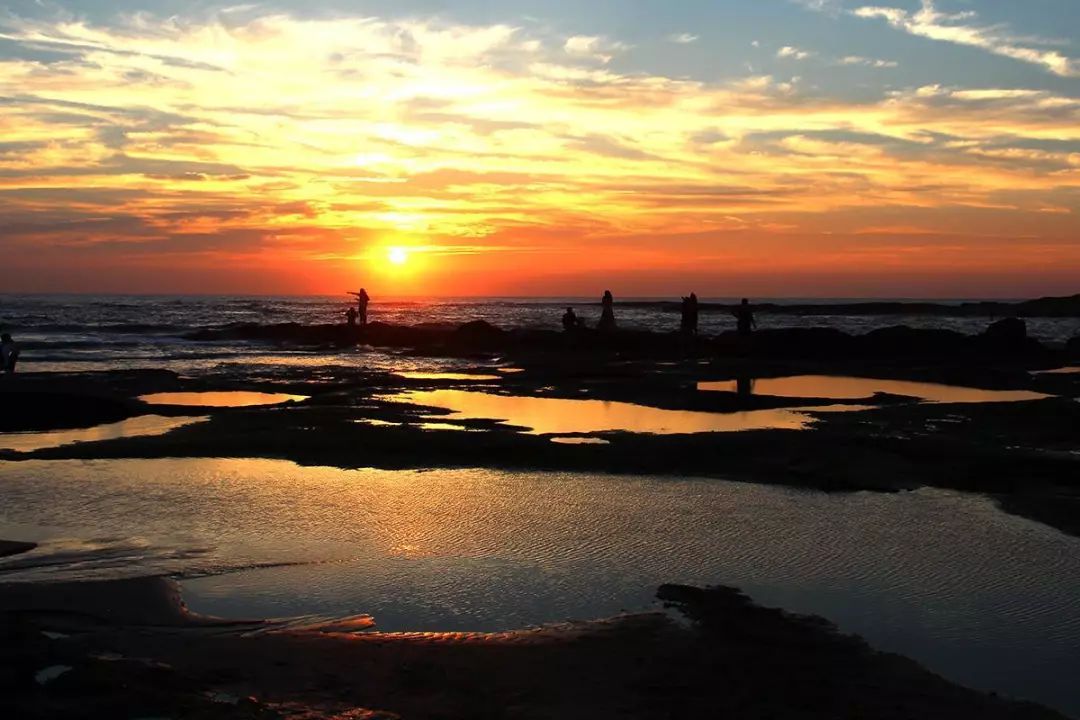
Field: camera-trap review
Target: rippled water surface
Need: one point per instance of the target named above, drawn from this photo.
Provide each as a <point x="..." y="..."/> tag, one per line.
<point x="985" y="598"/>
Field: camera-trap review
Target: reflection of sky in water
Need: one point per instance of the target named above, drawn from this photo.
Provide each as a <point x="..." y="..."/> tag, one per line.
<point x="424" y="375"/>
<point x="853" y="388"/>
<point x="556" y="415"/>
<point x="220" y="398"/>
<point x="132" y="427"/>
<point x="986" y="598"/>
<point x="1059" y="371"/>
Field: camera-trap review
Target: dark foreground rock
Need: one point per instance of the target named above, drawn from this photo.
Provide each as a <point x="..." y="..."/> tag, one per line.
<point x="1068" y="306"/>
<point x="1003" y="340"/>
<point x="735" y="659"/>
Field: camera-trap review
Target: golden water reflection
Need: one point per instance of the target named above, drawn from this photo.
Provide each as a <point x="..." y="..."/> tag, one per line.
<point x="421" y="375"/>
<point x="1058" y="371"/>
<point x="852" y="388"/>
<point x="220" y="398"/>
<point x="561" y="417"/>
<point x="142" y="426"/>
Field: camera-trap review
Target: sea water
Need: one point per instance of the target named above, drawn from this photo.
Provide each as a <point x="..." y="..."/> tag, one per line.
<point x="984" y="598"/>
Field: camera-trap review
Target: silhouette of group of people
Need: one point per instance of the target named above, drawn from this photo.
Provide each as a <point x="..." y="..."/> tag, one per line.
<point x="360" y="311"/>
<point x="745" y="322"/>
<point x="743" y="313"/>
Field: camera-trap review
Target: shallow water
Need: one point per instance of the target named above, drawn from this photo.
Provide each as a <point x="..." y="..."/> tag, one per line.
<point x="544" y="415"/>
<point x="1059" y="371"/>
<point x="141" y="426"/>
<point x="985" y="598"/>
<point x="854" y="388"/>
<point x="423" y="375"/>
<point x="220" y="398"/>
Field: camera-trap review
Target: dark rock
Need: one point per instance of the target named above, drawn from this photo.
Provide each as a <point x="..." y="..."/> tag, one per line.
<point x="901" y="340"/>
<point x="34" y="409"/>
<point x="1009" y="332"/>
<point x="478" y="334"/>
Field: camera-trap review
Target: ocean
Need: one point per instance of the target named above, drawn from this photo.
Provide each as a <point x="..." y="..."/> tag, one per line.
<point x="70" y="333"/>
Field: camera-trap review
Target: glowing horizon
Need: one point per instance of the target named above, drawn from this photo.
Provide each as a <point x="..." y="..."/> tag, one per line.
<point x="272" y="149"/>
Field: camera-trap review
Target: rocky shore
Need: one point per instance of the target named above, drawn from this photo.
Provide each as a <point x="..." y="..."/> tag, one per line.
<point x="131" y="649"/>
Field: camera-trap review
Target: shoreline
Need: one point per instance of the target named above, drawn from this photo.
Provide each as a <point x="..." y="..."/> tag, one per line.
<point x="132" y="642"/>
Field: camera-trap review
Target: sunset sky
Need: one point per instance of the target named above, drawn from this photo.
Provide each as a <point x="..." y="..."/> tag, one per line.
<point x="762" y="147"/>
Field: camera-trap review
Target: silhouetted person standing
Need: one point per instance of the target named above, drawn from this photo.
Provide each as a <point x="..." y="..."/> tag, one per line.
<point x="690" y="314"/>
<point x="744" y="317"/>
<point x="570" y="320"/>
<point x="362" y="301"/>
<point x="607" y="314"/>
<point x="9" y="353"/>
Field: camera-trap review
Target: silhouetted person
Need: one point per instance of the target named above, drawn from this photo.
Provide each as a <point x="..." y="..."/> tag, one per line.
<point x="9" y="353"/>
<point x="350" y="316"/>
<point x="362" y="301"/>
<point x="744" y="386"/>
<point x="684" y="323"/>
<point x="570" y="320"/>
<point x="691" y="314"/>
<point x="744" y="317"/>
<point x="607" y="314"/>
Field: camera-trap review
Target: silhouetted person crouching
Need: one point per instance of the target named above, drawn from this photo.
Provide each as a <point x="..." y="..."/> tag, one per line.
<point x="9" y="353"/>
<point x="350" y="316"/>
<point x="570" y="321"/>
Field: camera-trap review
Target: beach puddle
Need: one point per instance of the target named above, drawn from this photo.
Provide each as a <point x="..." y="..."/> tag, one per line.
<point x="457" y="377"/>
<point x="220" y="398"/>
<point x="559" y="416"/>
<point x="444" y="426"/>
<point x="488" y="550"/>
<point x="142" y="426"/>
<point x="855" y="388"/>
<point x="580" y="441"/>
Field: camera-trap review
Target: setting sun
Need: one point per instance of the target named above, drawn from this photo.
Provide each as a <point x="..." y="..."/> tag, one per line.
<point x="397" y="255"/>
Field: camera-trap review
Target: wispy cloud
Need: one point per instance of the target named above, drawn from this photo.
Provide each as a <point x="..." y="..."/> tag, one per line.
<point x="867" y="62"/>
<point x="793" y="53"/>
<point x="960" y="29"/>
<point x="593" y="47"/>
<point x="683" y="38"/>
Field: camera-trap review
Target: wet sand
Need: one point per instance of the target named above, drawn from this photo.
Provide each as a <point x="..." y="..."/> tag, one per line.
<point x="728" y="657"/>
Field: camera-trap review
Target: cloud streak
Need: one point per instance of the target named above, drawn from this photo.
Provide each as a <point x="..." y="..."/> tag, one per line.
<point x="958" y="29"/>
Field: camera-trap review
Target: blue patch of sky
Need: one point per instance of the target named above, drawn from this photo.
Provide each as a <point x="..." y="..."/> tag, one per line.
<point x="726" y="31"/>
